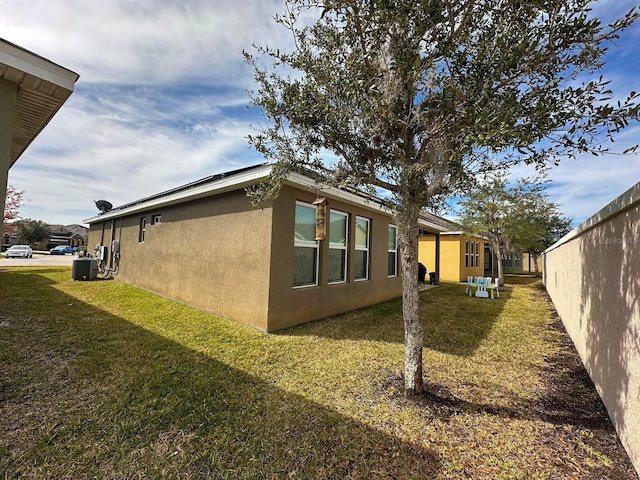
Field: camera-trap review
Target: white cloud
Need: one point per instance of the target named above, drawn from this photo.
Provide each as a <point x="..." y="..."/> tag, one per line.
<point x="143" y="41"/>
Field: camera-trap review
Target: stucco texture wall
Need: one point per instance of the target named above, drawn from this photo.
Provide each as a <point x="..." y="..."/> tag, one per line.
<point x="594" y="282"/>
<point x="452" y="256"/>
<point x="212" y="253"/>
<point x="290" y="306"/>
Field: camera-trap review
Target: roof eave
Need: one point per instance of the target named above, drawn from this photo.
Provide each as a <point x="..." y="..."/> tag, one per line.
<point x="248" y="178"/>
<point x="43" y="87"/>
<point x="224" y="185"/>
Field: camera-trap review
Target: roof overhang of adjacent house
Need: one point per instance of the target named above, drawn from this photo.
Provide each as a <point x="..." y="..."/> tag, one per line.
<point x="43" y="87"/>
<point x="239" y="179"/>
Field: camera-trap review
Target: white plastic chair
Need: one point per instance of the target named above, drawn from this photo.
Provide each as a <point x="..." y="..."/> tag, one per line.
<point x="481" y="290"/>
<point x="493" y="287"/>
<point x="496" y="285"/>
<point x="470" y="285"/>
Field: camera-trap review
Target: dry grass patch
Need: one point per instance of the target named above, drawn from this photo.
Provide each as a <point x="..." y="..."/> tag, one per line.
<point x="104" y="380"/>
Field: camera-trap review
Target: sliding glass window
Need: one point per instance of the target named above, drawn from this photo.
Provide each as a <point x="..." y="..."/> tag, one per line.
<point x="362" y="249"/>
<point x="305" y="247"/>
<point x="338" y="236"/>
<point x="392" y="252"/>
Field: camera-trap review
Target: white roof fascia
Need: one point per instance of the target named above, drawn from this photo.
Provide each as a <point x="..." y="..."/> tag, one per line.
<point x="217" y="187"/>
<point x="246" y="179"/>
<point x="32" y="64"/>
<point x="433" y="226"/>
<point x="460" y="232"/>
<point x="300" y="180"/>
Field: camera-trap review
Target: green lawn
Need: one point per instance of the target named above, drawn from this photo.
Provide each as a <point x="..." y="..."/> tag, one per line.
<point x="102" y="380"/>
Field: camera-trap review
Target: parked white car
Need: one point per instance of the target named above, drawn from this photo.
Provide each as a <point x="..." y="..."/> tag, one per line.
<point x="19" y="251"/>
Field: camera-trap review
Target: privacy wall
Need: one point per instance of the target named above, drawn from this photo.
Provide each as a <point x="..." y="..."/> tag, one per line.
<point x="593" y="278"/>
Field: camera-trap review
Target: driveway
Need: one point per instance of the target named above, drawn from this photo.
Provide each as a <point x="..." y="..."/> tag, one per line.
<point x="38" y="261"/>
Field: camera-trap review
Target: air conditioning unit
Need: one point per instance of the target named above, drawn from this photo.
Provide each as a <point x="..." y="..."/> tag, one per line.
<point x="84" y="269"/>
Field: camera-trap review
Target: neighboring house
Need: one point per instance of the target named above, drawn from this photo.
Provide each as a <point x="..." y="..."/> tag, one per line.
<point x="460" y="254"/>
<point x="74" y="235"/>
<point x="511" y="262"/>
<point x="204" y="245"/>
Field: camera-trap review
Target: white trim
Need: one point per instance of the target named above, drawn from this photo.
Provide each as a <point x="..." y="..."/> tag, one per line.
<point x="142" y="229"/>
<point x="32" y="64"/>
<point x="394" y="251"/>
<point x="245" y="179"/>
<point x="307" y="244"/>
<point x="360" y="249"/>
<point x="344" y="248"/>
<point x="223" y="185"/>
<point x="299" y="180"/>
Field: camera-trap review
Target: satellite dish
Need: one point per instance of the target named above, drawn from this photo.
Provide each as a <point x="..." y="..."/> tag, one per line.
<point x="103" y="205"/>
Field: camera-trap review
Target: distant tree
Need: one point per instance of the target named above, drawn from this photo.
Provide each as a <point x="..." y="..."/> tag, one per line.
<point x="486" y="211"/>
<point x="513" y="217"/>
<point x="32" y="231"/>
<point x="12" y="205"/>
<point x="415" y="97"/>
<point x="536" y="222"/>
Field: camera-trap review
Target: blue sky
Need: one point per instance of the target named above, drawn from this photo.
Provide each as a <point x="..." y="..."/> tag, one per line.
<point x="162" y="101"/>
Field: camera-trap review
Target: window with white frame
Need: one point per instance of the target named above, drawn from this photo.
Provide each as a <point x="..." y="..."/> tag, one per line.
<point x="305" y="247"/>
<point x="466" y="254"/>
<point x="392" y="252"/>
<point x="156" y="219"/>
<point x="338" y="236"/>
<point x="477" y="254"/>
<point x="472" y="255"/>
<point x="143" y="227"/>
<point x="361" y="268"/>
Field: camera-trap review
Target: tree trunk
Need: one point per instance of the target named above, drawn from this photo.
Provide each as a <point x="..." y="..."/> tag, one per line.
<point x="495" y="246"/>
<point x="535" y="257"/>
<point x="407" y="219"/>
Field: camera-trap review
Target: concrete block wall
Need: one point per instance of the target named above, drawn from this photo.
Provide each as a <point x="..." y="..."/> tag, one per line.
<point x="593" y="278"/>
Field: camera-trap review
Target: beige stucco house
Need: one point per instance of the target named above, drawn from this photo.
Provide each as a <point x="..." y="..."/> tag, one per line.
<point x="204" y="245"/>
<point x="32" y="90"/>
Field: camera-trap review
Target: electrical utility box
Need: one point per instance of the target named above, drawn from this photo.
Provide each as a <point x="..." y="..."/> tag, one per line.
<point x="84" y="269"/>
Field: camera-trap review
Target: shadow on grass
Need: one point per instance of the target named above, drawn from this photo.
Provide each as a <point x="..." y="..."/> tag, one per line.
<point x="88" y="394"/>
<point x="453" y="322"/>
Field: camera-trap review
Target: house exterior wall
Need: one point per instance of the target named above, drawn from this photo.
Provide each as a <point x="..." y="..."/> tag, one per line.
<point x="512" y="263"/>
<point x="8" y="93"/>
<point x="213" y="253"/>
<point x="453" y="265"/>
<point x="593" y="278"/>
<point x="290" y="306"/>
<point x="427" y="254"/>
<point x="219" y="254"/>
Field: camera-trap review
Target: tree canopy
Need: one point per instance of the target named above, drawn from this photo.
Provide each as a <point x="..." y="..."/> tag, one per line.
<point x="515" y="218"/>
<point x="417" y="97"/>
<point x="32" y="231"/>
<point x="536" y="222"/>
<point x="12" y="205"/>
